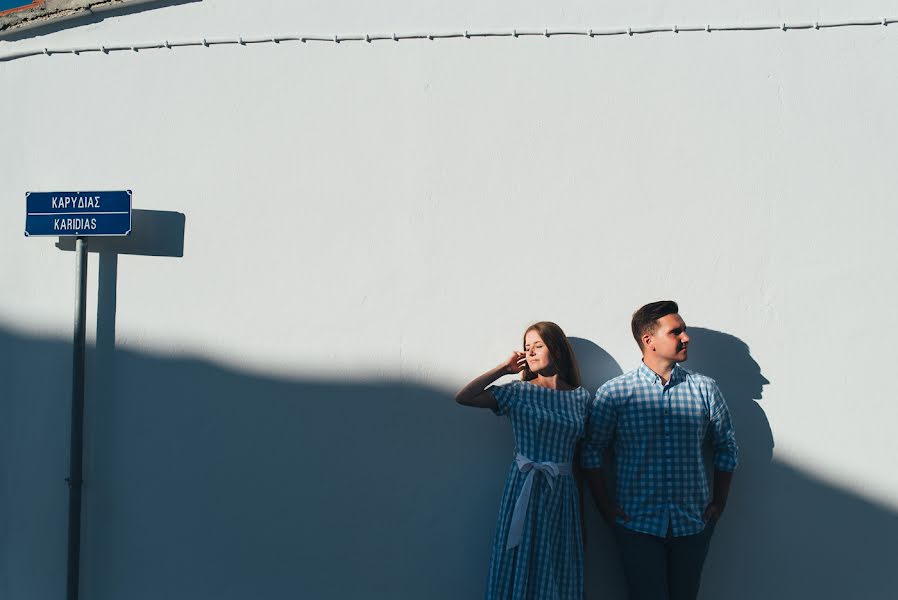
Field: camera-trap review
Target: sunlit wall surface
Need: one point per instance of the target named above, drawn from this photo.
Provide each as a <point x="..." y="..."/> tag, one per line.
<point x="338" y="236"/>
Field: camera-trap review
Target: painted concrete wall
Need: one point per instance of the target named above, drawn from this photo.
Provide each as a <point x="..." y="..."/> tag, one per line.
<point x="337" y="237"/>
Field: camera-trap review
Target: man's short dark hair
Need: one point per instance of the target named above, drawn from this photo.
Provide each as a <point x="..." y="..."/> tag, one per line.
<point x="645" y="320"/>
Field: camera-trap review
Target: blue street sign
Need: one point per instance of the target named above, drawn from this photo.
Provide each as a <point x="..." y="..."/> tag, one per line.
<point x="78" y="213"/>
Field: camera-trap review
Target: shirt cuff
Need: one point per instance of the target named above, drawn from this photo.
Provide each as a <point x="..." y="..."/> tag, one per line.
<point x="725" y="462"/>
<point x="591" y="461"/>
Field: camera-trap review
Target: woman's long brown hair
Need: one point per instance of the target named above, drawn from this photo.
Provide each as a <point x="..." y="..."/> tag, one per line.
<point x="559" y="349"/>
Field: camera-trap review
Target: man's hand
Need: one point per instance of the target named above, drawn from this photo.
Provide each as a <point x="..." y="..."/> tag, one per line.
<point x="608" y="508"/>
<point x="713" y="512"/>
<point x="611" y="511"/>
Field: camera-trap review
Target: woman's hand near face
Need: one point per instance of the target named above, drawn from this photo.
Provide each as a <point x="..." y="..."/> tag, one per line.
<point x="515" y="363"/>
<point x="475" y="394"/>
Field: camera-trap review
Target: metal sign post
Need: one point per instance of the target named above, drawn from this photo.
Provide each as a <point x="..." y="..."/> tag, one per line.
<point x="78" y="214"/>
<point x="77" y="423"/>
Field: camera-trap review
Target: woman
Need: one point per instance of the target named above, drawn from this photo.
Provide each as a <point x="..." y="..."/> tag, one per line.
<point x="538" y="550"/>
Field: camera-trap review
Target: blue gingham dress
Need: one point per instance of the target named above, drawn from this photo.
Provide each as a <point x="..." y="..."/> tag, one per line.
<point x="548" y="563"/>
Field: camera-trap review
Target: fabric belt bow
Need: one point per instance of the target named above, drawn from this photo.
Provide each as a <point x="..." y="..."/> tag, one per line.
<point x="551" y="470"/>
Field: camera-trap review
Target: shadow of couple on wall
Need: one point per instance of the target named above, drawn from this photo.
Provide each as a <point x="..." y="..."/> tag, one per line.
<point x="785" y="534"/>
<point x="207" y="481"/>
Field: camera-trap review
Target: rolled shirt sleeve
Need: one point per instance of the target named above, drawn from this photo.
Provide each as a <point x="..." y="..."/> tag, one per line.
<point x="600" y="425"/>
<point x="726" y="452"/>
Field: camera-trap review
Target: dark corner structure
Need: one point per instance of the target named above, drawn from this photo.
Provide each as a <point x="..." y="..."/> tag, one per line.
<point x="153" y="233"/>
<point x="20" y="19"/>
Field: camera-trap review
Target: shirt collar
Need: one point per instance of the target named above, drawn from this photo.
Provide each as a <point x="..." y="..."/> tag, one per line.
<point x="676" y="374"/>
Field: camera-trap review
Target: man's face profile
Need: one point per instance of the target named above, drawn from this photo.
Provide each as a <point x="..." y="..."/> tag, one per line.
<point x="669" y="341"/>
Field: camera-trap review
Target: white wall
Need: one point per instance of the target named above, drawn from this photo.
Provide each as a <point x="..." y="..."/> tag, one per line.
<point x="367" y="226"/>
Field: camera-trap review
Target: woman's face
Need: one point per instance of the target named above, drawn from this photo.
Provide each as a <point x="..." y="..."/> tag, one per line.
<point x="538" y="358"/>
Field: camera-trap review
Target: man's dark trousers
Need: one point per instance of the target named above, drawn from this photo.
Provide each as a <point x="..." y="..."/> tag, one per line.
<point x="659" y="568"/>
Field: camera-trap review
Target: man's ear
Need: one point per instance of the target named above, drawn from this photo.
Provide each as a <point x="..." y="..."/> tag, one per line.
<point x="647" y="340"/>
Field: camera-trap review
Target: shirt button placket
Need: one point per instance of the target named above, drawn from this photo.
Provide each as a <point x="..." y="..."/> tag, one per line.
<point x="668" y="468"/>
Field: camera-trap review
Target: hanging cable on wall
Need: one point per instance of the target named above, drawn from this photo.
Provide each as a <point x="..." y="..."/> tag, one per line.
<point x="630" y="31"/>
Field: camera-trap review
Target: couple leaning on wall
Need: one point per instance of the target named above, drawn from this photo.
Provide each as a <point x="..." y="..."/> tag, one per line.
<point x="655" y="420"/>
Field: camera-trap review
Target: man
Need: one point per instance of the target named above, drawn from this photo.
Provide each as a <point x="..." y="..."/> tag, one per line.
<point x="658" y="418"/>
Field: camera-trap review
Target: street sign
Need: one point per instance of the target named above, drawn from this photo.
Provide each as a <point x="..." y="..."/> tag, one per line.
<point x="82" y="215"/>
<point x="78" y="213"/>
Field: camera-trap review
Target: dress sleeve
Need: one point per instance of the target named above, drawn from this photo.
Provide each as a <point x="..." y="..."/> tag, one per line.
<point x="504" y="395"/>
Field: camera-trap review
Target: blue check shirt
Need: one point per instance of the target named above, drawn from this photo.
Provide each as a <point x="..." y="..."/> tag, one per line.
<point x="658" y="433"/>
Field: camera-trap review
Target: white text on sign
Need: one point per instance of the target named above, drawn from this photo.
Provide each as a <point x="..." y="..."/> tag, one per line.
<point x="76" y="224"/>
<point x="75" y="202"/>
